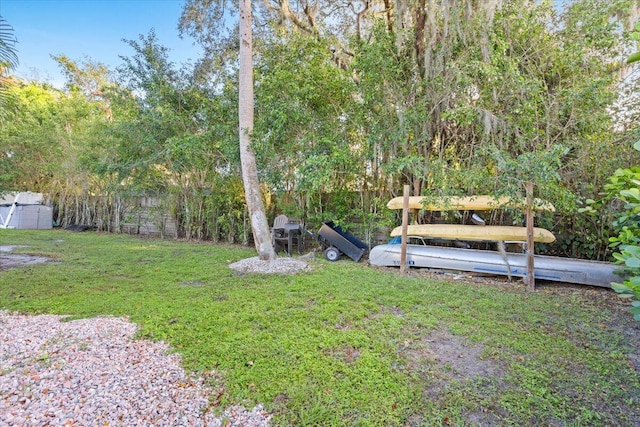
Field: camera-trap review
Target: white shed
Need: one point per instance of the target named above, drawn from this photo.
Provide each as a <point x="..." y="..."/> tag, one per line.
<point x="25" y="211"/>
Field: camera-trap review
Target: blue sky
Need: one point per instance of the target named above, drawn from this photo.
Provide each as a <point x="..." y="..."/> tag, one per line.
<point x="89" y="28"/>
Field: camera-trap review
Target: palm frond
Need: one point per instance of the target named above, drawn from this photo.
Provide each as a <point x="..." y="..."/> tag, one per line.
<point x="8" y="62"/>
<point x="8" y="41"/>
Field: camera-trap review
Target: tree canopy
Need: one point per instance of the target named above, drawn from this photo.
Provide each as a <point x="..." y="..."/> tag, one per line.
<point x="353" y="100"/>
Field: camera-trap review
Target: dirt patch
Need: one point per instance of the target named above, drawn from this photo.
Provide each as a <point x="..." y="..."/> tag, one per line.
<point x="442" y="358"/>
<point x="482" y="418"/>
<point x="345" y="353"/>
<point x="193" y="283"/>
<point x="9" y="260"/>
<point x="448" y="358"/>
<point x="614" y="311"/>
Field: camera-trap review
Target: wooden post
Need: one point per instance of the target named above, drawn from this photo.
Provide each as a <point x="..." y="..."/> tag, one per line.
<point x="531" y="280"/>
<point x="405" y="225"/>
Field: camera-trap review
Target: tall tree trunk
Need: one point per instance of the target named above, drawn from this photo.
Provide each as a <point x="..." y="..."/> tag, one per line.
<point x="259" y="224"/>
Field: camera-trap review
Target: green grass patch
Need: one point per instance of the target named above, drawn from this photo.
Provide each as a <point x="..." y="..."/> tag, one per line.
<point x="347" y="344"/>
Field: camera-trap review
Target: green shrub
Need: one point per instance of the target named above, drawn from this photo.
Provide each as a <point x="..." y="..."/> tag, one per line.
<point x="624" y="185"/>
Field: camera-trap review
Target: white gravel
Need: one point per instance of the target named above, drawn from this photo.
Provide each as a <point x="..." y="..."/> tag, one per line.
<point x="279" y="265"/>
<point x="91" y="372"/>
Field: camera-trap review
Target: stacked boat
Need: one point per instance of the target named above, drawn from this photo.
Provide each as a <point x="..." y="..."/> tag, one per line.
<point x="483" y="261"/>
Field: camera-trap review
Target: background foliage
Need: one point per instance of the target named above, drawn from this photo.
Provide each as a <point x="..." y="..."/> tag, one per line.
<point x="352" y="102"/>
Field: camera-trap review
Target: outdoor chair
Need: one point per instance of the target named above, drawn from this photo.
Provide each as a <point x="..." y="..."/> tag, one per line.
<point x="285" y="232"/>
<point x="278" y="232"/>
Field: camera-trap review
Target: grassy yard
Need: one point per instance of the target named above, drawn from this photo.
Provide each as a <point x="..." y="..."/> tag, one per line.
<point x="347" y="344"/>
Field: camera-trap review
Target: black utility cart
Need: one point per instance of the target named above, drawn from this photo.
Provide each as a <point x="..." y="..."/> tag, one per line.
<point x="337" y="242"/>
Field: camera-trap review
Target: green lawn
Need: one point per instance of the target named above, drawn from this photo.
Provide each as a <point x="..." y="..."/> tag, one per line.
<point x="347" y="344"/>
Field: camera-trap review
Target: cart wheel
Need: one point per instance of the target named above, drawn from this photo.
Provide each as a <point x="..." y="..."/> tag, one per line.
<point x="332" y="254"/>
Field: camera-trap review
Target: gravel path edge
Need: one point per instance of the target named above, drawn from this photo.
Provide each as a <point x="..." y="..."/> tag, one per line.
<point x="93" y="372"/>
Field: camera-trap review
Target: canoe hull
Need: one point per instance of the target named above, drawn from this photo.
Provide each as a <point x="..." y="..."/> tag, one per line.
<point x="475" y="232"/>
<point x="556" y="269"/>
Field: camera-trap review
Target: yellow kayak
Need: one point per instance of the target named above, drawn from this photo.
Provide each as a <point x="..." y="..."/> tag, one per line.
<point x="472" y="203"/>
<point x="476" y="232"/>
